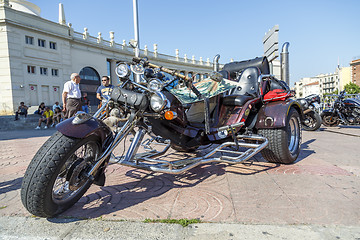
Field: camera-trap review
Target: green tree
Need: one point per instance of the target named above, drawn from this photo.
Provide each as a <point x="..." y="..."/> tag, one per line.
<point x="352" y="88"/>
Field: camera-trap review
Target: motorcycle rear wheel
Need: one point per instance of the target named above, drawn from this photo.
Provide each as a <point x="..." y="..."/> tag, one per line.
<point x="312" y="121"/>
<point x="55" y="179"/>
<point x="284" y="143"/>
<point x="330" y="121"/>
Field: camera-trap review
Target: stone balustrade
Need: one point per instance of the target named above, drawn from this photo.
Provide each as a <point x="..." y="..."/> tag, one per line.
<point x="85" y="36"/>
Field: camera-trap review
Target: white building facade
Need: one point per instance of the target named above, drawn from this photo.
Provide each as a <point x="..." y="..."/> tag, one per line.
<point x="37" y="57"/>
<point x="323" y="83"/>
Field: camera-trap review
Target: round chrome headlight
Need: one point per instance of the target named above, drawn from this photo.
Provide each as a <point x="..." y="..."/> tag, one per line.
<point x="123" y="70"/>
<point x="155" y="85"/>
<point x="158" y="101"/>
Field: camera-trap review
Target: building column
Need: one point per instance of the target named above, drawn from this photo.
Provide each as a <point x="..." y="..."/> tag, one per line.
<point x="113" y="77"/>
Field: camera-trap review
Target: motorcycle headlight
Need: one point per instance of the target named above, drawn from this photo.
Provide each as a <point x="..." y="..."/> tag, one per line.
<point x="123" y="70"/>
<point x="155" y="85"/>
<point x="304" y="103"/>
<point x="158" y="101"/>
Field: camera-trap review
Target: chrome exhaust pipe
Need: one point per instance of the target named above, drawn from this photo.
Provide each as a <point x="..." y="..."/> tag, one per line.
<point x="216" y="62"/>
<point x="285" y="69"/>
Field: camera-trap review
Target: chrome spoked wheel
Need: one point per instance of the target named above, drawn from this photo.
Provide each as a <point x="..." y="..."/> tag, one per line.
<point x="72" y="177"/>
<point x="330" y="121"/>
<point x="56" y="178"/>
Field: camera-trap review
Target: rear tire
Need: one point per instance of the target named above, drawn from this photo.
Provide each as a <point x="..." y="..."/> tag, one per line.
<point x="284" y="143"/>
<point x="330" y="121"/>
<point x="312" y="121"/>
<point x="55" y="179"/>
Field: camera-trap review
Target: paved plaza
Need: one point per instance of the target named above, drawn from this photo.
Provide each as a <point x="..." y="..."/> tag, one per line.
<point x="321" y="189"/>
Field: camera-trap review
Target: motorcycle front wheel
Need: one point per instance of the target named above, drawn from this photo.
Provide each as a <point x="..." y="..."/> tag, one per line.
<point x="55" y="179"/>
<point x="329" y="120"/>
<point x="312" y="121"/>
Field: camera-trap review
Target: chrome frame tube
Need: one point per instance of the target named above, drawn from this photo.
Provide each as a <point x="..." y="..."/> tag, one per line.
<point x="164" y="166"/>
<point x="125" y="130"/>
<point x="99" y="111"/>
<point x="135" y="144"/>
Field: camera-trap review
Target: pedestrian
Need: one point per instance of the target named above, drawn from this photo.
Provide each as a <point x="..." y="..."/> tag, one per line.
<point x="58" y="117"/>
<point x="40" y="109"/>
<point x="104" y="89"/>
<point x="56" y="105"/>
<point x="22" y="110"/>
<point x="85" y="102"/>
<point x="71" y="96"/>
<point x="45" y="117"/>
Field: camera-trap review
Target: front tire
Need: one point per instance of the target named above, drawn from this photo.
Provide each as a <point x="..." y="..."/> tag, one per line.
<point x="329" y="120"/>
<point x="312" y="121"/>
<point x="284" y="143"/>
<point x="55" y="179"/>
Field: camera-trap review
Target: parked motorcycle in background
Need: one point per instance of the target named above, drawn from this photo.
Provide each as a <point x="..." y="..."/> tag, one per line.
<point x="344" y="111"/>
<point x="310" y="106"/>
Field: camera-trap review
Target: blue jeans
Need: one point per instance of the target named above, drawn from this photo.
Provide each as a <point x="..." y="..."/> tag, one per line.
<point x="85" y="108"/>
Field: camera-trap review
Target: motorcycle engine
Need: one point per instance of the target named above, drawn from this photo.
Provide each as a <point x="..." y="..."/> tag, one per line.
<point x="356" y="114"/>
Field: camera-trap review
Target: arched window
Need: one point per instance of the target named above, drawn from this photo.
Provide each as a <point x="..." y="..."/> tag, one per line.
<point x="90" y="81"/>
<point x="88" y="73"/>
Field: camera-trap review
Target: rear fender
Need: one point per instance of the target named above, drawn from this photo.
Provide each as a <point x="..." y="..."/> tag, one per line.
<point x="274" y="114"/>
<point x="91" y="127"/>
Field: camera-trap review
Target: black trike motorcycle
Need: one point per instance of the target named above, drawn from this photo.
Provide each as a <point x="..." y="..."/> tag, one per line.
<point x="230" y="111"/>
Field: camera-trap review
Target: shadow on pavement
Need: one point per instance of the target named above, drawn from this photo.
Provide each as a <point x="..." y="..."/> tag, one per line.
<point x="11" y="185"/>
<point x="23" y="134"/>
<point x="141" y="186"/>
<point x="305" y="150"/>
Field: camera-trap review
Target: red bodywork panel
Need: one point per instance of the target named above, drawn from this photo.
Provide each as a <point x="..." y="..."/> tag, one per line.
<point x="274" y="114"/>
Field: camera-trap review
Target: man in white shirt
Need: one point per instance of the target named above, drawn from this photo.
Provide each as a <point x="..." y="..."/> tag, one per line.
<point x="71" y="96"/>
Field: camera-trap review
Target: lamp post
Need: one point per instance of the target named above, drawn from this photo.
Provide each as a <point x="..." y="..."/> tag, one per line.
<point x="136" y="28"/>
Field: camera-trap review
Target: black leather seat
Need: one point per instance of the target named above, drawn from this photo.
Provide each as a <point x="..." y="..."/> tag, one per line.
<point x="236" y="100"/>
<point x="235" y="68"/>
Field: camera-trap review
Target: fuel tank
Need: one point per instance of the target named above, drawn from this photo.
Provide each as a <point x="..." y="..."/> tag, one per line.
<point x="352" y="102"/>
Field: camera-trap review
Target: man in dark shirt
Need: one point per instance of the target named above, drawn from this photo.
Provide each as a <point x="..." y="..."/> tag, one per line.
<point x="105" y="88"/>
<point x="22" y="110"/>
<point x="85" y="102"/>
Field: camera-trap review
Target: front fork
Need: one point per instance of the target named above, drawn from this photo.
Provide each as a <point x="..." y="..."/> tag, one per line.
<point x="120" y="136"/>
<point x="335" y="113"/>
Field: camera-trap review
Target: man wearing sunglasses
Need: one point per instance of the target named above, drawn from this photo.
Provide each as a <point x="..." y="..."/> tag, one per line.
<point x="105" y="88"/>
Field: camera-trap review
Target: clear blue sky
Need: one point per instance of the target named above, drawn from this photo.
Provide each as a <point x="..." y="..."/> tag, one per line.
<point x="319" y="31"/>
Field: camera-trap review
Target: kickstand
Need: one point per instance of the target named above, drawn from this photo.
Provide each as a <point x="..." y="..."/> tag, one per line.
<point x="248" y="163"/>
<point x="232" y="129"/>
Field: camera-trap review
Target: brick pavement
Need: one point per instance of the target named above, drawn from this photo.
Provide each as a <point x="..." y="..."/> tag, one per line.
<point x="322" y="187"/>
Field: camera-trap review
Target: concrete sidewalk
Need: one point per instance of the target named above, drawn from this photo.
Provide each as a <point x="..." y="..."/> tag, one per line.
<point x="318" y="197"/>
<point x="36" y="228"/>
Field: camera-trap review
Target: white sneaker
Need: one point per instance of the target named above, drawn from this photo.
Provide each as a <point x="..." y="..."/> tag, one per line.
<point x="45" y="127"/>
<point x="53" y="125"/>
<point x="37" y="128"/>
